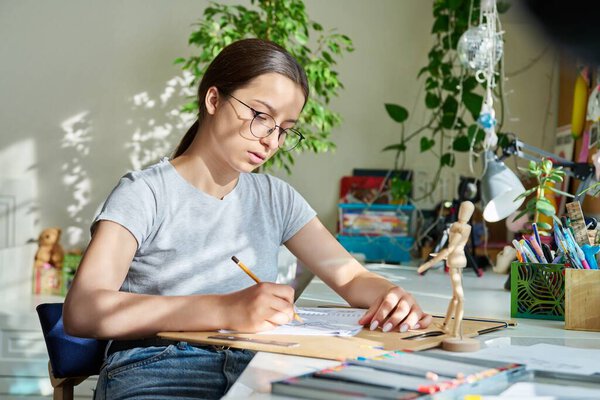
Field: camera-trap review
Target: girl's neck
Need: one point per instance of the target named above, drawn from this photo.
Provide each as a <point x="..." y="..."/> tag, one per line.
<point x="201" y="171"/>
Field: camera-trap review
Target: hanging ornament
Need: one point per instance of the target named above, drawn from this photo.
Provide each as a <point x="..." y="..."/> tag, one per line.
<point x="479" y="48"/>
<point x="487" y="121"/>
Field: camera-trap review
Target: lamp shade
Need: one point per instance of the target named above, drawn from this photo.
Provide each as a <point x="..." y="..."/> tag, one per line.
<point x="499" y="188"/>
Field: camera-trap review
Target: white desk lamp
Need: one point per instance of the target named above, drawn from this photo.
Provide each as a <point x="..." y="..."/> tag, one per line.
<point x="500" y="186"/>
<point x="499" y="189"/>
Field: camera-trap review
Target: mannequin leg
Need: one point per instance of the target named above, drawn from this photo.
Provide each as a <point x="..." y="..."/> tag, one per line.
<point x="452" y="305"/>
<point x="449" y="314"/>
<point x="460" y="298"/>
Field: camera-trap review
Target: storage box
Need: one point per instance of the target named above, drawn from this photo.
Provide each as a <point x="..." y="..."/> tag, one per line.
<point x="537" y="291"/>
<point x="374" y="219"/>
<point x="394" y="249"/>
<point x="582" y="299"/>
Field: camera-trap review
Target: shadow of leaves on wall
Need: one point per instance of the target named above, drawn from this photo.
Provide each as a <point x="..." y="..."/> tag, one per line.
<point x="158" y="122"/>
<point x="77" y="140"/>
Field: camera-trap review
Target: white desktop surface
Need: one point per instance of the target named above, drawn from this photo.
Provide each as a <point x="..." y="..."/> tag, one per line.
<point x="484" y="297"/>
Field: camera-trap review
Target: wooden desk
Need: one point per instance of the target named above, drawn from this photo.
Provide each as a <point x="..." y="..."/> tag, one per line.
<point x="485" y="297"/>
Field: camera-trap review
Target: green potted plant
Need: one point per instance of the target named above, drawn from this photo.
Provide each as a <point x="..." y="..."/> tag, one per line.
<point x="546" y="176"/>
<point x="400" y="190"/>
<point x="286" y="23"/>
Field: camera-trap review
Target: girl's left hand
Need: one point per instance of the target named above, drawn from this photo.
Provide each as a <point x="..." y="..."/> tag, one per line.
<point x="395" y="309"/>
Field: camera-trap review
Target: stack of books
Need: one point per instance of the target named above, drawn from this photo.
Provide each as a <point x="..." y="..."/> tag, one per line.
<point x="402" y="375"/>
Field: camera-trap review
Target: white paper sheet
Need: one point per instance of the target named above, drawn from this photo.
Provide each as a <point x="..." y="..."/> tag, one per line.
<point x="321" y="321"/>
<point x="539" y="391"/>
<point x="545" y="357"/>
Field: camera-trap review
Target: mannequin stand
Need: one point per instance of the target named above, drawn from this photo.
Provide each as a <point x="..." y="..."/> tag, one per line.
<point x="462" y="345"/>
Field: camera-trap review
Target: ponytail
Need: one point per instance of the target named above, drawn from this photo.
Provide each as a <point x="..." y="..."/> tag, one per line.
<point x="187" y="139"/>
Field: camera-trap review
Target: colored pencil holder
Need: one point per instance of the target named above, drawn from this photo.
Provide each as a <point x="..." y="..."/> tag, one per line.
<point x="582" y="299"/>
<point x="537" y="291"/>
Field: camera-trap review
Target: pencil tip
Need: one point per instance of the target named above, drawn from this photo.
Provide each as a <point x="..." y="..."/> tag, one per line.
<point x="235" y="259"/>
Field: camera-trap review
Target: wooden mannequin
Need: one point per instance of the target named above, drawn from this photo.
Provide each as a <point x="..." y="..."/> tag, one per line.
<point x="454" y="254"/>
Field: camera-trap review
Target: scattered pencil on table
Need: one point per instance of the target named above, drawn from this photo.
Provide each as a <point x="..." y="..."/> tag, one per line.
<point x="255" y="278"/>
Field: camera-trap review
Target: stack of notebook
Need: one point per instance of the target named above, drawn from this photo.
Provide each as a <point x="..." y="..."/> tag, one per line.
<point x="401" y="375"/>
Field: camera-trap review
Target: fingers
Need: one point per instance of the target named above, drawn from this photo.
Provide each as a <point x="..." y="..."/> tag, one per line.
<point x="278" y="303"/>
<point x="389" y="303"/>
<point x="281" y="306"/>
<point x="366" y="318"/>
<point x="402" y="318"/>
<point x="397" y="310"/>
<point x="285" y="292"/>
<point x="424" y="322"/>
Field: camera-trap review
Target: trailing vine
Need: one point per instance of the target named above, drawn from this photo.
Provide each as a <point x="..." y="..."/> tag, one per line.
<point x="451" y="95"/>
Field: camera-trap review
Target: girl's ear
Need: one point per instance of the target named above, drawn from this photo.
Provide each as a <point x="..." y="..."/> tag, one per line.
<point x="211" y="100"/>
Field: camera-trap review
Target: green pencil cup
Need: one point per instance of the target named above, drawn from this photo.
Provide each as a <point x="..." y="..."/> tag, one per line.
<point x="537" y="291"/>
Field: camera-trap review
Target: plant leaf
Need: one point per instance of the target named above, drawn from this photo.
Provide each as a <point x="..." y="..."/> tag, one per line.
<point x="397" y="147"/>
<point x="432" y="100"/>
<point x="520" y="214"/>
<point x="555" y="190"/>
<point x="441" y="24"/>
<point x="396" y="112"/>
<point x="473" y="103"/>
<point x="426" y="144"/>
<point x="544" y="207"/>
<point x="461" y="143"/>
<point x="447" y="159"/>
<point x="525" y="194"/>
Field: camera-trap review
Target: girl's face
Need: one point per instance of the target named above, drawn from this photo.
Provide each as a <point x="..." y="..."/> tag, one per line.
<point x="232" y="140"/>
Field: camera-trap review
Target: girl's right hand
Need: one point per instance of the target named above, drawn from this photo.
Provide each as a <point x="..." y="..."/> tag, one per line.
<point x="259" y="307"/>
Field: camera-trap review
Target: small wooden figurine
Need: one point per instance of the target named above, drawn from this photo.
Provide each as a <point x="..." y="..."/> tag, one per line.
<point x="48" y="263"/>
<point x="454" y="254"/>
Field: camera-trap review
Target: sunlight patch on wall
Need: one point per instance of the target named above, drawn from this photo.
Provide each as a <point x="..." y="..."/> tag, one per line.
<point x="155" y="135"/>
<point x="19" y="210"/>
<point x="76" y="139"/>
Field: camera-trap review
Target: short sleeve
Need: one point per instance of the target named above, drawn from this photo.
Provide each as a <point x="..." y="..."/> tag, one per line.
<point x="131" y="204"/>
<point x="296" y="212"/>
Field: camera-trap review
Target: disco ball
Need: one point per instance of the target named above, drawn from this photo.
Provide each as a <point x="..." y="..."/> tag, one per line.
<point x="475" y="48"/>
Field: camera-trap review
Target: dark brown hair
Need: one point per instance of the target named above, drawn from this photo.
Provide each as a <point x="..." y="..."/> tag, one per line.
<point x="235" y="66"/>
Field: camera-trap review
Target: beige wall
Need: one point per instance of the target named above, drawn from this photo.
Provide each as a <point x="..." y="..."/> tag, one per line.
<point x="88" y="92"/>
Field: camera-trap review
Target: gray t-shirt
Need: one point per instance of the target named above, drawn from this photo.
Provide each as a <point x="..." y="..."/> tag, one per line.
<point x="186" y="238"/>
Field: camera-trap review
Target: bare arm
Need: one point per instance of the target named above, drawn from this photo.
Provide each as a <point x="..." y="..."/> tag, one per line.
<point x="95" y="307"/>
<point x="326" y="257"/>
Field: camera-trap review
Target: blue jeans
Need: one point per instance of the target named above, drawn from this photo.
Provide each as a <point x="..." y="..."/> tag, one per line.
<point x="177" y="371"/>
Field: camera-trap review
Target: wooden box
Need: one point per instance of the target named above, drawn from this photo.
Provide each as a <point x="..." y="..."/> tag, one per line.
<point x="582" y="299"/>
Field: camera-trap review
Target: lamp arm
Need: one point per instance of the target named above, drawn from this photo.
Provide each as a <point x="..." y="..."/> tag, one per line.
<point x="581" y="171"/>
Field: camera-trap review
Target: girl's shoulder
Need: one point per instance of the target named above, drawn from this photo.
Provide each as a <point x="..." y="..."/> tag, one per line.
<point x="151" y="172"/>
<point x="153" y="177"/>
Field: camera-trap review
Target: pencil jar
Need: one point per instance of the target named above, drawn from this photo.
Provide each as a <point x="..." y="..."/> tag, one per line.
<point x="582" y="299"/>
<point x="537" y="291"/>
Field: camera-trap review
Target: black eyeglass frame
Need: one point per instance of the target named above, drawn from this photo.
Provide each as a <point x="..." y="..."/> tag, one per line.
<point x="282" y="131"/>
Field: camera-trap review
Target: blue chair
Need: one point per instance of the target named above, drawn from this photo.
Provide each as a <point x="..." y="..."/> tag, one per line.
<point x="72" y="359"/>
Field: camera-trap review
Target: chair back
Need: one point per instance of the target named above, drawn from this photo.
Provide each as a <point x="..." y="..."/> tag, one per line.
<point x="69" y="356"/>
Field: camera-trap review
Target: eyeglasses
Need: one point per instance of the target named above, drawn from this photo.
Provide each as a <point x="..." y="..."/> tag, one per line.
<point x="262" y="125"/>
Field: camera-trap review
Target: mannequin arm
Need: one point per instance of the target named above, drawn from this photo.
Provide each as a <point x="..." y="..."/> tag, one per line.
<point x="442" y="255"/>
